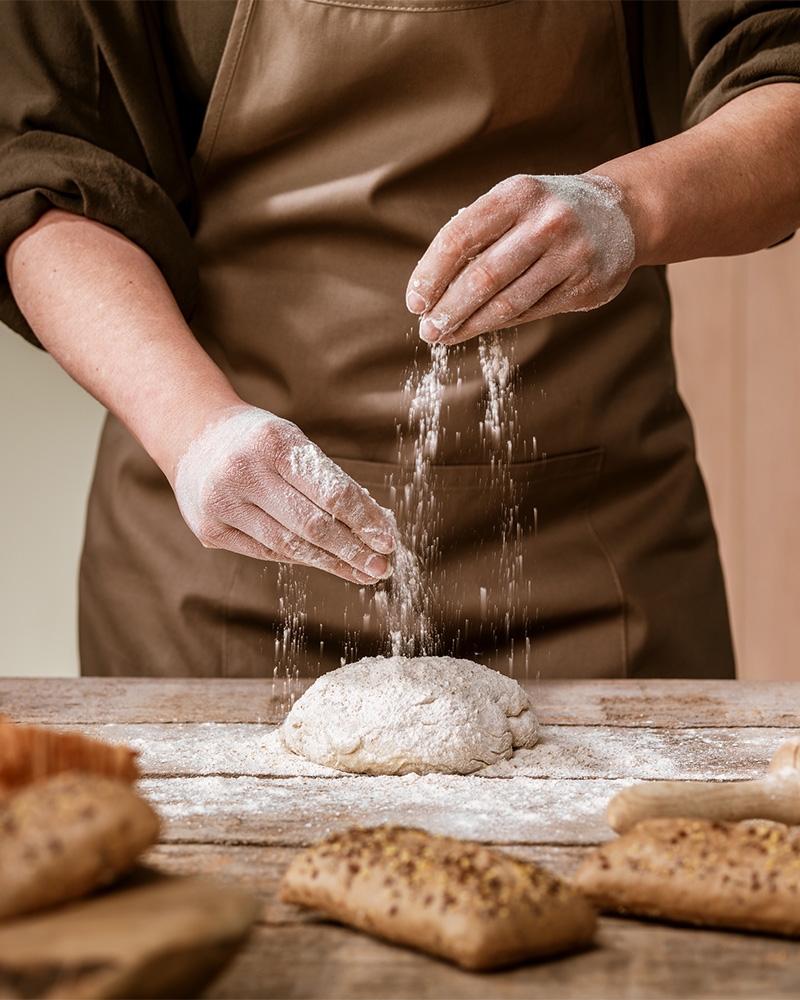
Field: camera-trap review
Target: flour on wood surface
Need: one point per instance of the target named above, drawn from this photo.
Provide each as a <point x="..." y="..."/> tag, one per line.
<point x="298" y="811"/>
<point x="397" y="715"/>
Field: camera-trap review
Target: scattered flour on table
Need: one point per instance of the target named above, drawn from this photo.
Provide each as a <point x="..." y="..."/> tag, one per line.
<point x="397" y="715"/>
<point x="301" y="810"/>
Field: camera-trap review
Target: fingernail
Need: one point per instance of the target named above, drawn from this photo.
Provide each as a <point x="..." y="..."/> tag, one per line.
<point x="379" y="567"/>
<point x="416" y="303"/>
<point x="381" y="541"/>
<point x="428" y="331"/>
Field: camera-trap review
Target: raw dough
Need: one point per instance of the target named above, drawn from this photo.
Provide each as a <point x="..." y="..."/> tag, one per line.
<point x="395" y="715"/>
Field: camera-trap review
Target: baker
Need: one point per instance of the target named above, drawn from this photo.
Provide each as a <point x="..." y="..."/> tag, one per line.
<point x="210" y="213"/>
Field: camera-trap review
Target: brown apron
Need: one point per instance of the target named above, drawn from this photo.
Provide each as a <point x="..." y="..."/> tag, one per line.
<point x="340" y="136"/>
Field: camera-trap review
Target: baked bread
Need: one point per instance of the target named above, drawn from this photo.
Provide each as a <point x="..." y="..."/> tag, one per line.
<point x="449" y="897"/>
<point x="738" y="875"/>
<point x="30" y="753"/>
<point x="64" y="836"/>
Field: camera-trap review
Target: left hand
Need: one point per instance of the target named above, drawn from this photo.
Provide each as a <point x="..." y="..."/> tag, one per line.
<point x="529" y="248"/>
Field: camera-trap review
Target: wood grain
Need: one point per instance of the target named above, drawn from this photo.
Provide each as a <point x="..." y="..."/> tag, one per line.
<point x="630" y="960"/>
<point x="134" y="699"/>
<point x="673" y="704"/>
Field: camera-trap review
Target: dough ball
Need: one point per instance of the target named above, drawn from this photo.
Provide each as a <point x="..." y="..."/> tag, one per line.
<point x="397" y="715"/>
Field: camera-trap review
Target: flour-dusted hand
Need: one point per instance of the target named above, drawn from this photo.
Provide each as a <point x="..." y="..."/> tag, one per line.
<point x="531" y="247"/>
<point x="253" y="483"/>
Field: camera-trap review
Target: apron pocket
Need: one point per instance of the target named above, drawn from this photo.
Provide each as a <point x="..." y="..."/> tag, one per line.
<point x="535" y="593"/>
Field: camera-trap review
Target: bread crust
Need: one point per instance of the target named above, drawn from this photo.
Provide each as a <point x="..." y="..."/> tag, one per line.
<point x="32" y="753"/>
<point x="449" y="897"/>
<point x="738" y="875"/>
<point x="64" y="836"/>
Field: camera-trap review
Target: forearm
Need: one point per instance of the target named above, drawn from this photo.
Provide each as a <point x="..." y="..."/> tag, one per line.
<point x="103" y="310"/>
<point x="729" y="185"/>
<point x="101" y="307"/>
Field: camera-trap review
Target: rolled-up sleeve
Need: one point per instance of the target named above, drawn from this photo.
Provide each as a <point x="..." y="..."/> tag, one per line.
<point x="736" y="46"/>
<point x="699" y="54"/>
<point x="88" y="124"/>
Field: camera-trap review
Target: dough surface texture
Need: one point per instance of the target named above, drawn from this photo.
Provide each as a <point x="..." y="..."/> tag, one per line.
<point x="398" y="715"/>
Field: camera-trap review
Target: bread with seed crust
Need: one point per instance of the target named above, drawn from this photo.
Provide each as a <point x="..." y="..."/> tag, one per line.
<point x="64" y="836"/>
<point x="737" y="875"/>
<point x="449" y="897"/>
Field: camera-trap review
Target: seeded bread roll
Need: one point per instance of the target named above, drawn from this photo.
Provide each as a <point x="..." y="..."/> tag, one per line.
<point x="62" y="837"/>
<point x="449" y="897"/>
<point x="737" y="875"/>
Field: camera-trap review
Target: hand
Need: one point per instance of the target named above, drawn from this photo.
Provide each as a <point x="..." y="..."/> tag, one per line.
<point x="253" y="483"/>
<point x="531" y="247"/>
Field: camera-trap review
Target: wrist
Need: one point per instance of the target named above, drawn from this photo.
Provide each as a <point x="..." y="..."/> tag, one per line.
<point x="640" y="206"/>
<point x="166" y="430"/>
<point x="728" y="185"/>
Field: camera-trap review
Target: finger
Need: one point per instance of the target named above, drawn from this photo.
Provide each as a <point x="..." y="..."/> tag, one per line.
<point x="490" y="276"/>
<point x="457" y="242"/>
<point x="514" y="303"/>
<point x="233" y="540"/>
<point x="305" y="519"/>
<point x="564" y="298"/>
<point x="309" y="470"/>
<point x="281" y="546"/>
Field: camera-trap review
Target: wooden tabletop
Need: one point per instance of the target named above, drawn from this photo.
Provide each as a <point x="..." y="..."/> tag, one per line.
<point x="238" y="808"/>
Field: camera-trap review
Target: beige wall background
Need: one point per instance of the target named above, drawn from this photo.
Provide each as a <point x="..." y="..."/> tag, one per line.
<point x="49" y="434"/>
<point x="737" y="343"/>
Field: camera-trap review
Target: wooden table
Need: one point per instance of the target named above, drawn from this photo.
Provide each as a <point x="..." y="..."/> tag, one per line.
<point x="238" y="810"/>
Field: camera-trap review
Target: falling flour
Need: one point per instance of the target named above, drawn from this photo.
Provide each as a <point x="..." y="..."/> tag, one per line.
<point x="399" y="715"/>
<point x="408" y="605"/>
<point x="500" y="433"/>
<point x="405" y="602"/>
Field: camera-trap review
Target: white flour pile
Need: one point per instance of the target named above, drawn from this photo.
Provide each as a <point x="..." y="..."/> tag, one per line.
<point x="396" y="716"/>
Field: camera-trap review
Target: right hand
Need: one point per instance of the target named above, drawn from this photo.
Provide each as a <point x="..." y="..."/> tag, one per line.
<point x="529" y="248"/>
<point x="253" y="483"/>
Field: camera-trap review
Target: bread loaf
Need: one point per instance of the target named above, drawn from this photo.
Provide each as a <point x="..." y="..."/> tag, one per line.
<point x="449" y="897"/>
<point x="30" y="753"/>
<point x="738" y="875"/>
<point x="62" y="837"/>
